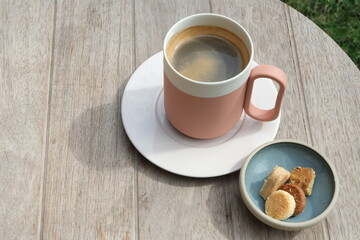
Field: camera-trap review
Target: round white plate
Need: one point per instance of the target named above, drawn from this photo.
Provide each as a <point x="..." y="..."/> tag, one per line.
<point x="145" y="123"/>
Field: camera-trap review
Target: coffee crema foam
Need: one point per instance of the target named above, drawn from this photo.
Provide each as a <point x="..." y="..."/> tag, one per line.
<point x="207" y="53"/>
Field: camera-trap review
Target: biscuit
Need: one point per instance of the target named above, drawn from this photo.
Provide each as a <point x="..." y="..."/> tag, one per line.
<point x="304" y="178"/>
<point x="280" y="205"/>
<point x="298" y="194"/>
<point x="275" y="179"/>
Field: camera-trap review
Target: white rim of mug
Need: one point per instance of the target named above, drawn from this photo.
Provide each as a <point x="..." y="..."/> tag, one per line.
<point x="290" y="226"/>
<point x="220" y="82"/>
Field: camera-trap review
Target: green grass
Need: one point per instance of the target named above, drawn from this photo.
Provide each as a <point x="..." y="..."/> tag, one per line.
<point x="340" y="19"/>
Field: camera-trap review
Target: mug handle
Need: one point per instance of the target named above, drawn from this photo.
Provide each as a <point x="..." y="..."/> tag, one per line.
<point x="265" y="71"/>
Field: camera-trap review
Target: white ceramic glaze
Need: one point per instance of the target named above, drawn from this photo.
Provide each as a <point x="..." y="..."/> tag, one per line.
<point x="173" y="151"/>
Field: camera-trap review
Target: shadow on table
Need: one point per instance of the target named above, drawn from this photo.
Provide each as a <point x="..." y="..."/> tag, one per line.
<point x="97" y="138"/>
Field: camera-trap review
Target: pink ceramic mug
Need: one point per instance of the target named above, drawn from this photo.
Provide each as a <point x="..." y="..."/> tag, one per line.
<point x="207" y="110"/>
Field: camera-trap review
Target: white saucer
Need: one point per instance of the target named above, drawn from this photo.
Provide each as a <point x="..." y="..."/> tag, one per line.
<point x="145" y="123"/>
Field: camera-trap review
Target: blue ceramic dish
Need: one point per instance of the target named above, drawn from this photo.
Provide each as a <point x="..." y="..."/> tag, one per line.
<point x="289" y="154"/>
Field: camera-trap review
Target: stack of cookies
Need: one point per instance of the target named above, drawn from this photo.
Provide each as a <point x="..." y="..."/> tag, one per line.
<point x="283" y="199"/>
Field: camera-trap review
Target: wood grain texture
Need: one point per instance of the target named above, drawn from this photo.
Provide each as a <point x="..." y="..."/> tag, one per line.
<point x="90" y="176"/>
<point x="331" y="83"/>
<point x="268" y="25"/>
<point x="25" y="55"/>
<point x="67" y="168"/>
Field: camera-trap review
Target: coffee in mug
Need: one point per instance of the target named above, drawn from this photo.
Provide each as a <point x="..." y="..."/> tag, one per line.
<point x="207" y="53"/>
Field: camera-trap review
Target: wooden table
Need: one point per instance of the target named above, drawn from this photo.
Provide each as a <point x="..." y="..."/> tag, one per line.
<point x="69" y="171"/>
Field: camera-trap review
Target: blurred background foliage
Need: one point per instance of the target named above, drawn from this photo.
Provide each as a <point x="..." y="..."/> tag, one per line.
<point x="340" y="19"/>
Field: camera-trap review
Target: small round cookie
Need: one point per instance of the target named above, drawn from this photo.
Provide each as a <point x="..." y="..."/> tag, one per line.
<point x="298" y="194"/>
<point x="280" y="205"/>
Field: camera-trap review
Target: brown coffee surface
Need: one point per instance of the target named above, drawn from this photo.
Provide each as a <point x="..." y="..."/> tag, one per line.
<point x="206" y="53"/>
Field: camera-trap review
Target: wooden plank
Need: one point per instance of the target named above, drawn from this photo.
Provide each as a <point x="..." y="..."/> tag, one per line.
<point x="268" y="25"/>
<point x="331" y="86"/>
<point x="25" y="56"/>
<point x="90" y="175"/>
<point x="171" y="206"/>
